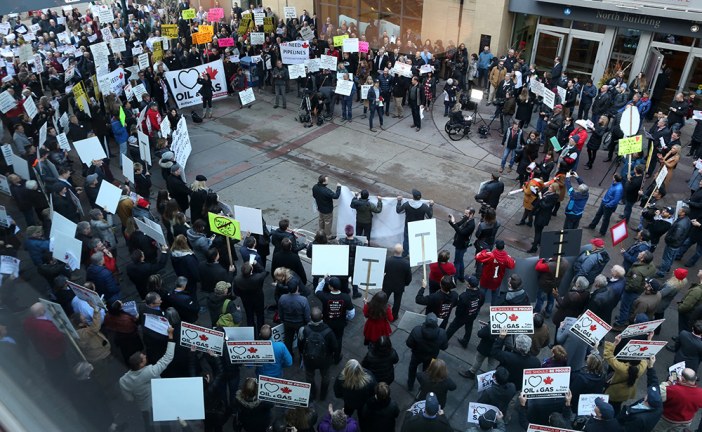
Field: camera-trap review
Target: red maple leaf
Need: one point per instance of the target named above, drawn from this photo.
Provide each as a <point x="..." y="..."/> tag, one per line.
<point x="513" y="317"/>
<point x="203" y="337"/>
<point x="548" y="380"/>
<point x="643" y="349"/>
<point x="285" y="390"/>
<point x="211" y="72"/>
<point x="593" y="327"/>
<point x="305" y="45"/>
<point x="121" y="76"/>
<point x="253" y="350"/>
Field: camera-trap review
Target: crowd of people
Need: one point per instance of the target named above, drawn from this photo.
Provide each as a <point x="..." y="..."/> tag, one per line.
<point x="220" y="283"/>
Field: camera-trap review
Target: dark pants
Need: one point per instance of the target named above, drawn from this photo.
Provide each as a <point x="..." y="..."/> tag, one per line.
<point x="458" y="321"/>
<point x="396" y="301"/>
<point x="416" y="119"/>
<point x="386" y="98"/>
<point x="538" y="229"/>
<point x="604" y="213"/>
<point x="291" y="330"/>
<point x="254" y="312"/>
<point x="459" y="254"/>
<point x="591" y="157"/>
<point x="324" y="373"/>
<point x="627" y="301"/>
<point x="375" y="109"/>
<point x="583" y="110"/>
<point x="337" y="326"/>
<point x="572" y="221"/>
<point x="412" y="373"/>
<point x="363" y="229"/>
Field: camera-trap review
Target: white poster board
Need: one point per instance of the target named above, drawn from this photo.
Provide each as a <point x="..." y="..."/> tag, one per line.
<point x="328" y="62"/>
<point x="350" y="45"/>
<point x="514" y="319"/>
<point x="661" y="176"/>
<point x="127" y="168"/>
<point x="343" y="87"/>
<point x="586" y="403"/>
<point x="67" y="250"/>
<point x="330" y="260"/>
<point x="283" y="392"/>
<point x="9" y="265"/>
<point x="62" y="225"/>
<point x="177" y="399"/>
<point x="369" y="267"/>
<point x="545" y="382"/>
<point x="675" y="370"/>
<point x="151" y="231"/>
<point x="90" y="297"/>
<point x="247" y="96"/>
<point x="549" y="98"/>
<point x="89" y="150"/>
<point x="239" y="333"/>
<point x="63" y="142"/>
<point x="202" y="338"/>
<point x="250" y="219"/>
<point x="59" y="318"/>
<point x="296" y="71"/>
<point x="108" y="196"/>
<point x="251" y="351"/>
<point x="30" y="107"/>
<point x="20" y="166"/>
<point x="422" y="242"/>
<point x="640" y="349"/>
<point x="590" y="328"/>
<point x="258" y="38"/>
<point x="290" y="12"/>
<point x="157" y="323"/>
<point x="641" y="329"/>
<point x="485" y="380"/>
<point x="475" y="410"/>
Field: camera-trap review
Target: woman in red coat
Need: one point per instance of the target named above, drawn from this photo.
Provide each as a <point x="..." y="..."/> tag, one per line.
<point x="440" y="269"/>
<point x="378" y="317"/>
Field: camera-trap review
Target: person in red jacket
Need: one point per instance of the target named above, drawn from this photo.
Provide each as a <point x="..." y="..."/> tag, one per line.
<point x="152" y="121"/>
<point x="495" y="263"/>
<point x="440" y="269"/>
<point x="681" y="401"/>
<point x="48" y="340"/>
<point x="581" y="131"/>
<point x="378" y="315"/>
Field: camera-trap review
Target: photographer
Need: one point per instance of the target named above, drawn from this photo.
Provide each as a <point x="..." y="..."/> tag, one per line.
<point x="490" y="192"/>
<point x="502" y="94"/>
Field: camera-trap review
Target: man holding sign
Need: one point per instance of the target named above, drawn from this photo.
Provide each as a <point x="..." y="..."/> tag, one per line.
<point x="518" y="360"/>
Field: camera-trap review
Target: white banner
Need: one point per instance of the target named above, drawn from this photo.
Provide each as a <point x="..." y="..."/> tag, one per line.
<point x="283" y="392"/>
<point x="514" y="319"/>
<point x="297" y="52"/>
<point x="328" y="62"/>
<point x="251" y="351"/>
<point x="247" y="96"/>
<point x="641" y="329"/>
<point x="201" y="338"/>
<point x="545" y="382"/>
<point x="184" y="86"/>
<point x="180" y="145"/>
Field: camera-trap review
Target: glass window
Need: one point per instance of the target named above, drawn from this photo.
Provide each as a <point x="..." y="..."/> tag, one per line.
<point x="557" y="22"/>
<point x="413" y="8"/>
<point x="624" y="47"/>
<point x="524" y="30"/>
<point x="599" y="28"/>
<point x="391" y="7"/>
<point x="673" y="39"/>
<point x="348" y="3"/>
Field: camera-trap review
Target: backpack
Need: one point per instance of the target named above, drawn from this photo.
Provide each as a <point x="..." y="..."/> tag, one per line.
<point x="315" y="352"/>
<point x="225" y="318"/>
<point x="196" y="117"/>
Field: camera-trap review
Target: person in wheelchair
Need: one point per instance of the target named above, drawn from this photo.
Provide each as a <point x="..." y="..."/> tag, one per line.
<point x="315" y="107"/>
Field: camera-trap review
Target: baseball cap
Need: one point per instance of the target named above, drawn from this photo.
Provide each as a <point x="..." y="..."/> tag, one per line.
<point x="655" y="284"/>
<point x="597" y="242"/>
<point x="472" y="281"/>
<point x="606" y="410"/>
<point x="669" y="209"/>
<point x="222" y="288"/>
<point x="431" y="404"/>
<point x="334" y="282"/>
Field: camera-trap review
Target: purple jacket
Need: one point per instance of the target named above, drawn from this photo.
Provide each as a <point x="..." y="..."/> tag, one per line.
<point x="326" y="425"/>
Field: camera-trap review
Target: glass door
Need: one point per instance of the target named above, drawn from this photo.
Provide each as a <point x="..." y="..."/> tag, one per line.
<point x="547" y="46"/>
<point x="581" y="57"/>
<point x="654" y="63"/>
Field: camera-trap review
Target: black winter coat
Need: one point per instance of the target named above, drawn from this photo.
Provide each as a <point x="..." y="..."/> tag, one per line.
<point x="544" y="209"/>
<point x="379" y="415"/>
<point x="381" y="363"/>
<point x="398" y="275"/>
<point x="427" y="340"/>
<point x="354" y="399"/>
<point x="514" y="363"/>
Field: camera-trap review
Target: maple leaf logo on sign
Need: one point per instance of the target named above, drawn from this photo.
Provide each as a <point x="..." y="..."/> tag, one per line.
<point x="286" y="390"/>
<point x="643" y="349"/>
<point x="305" y="45"/>
<point x="513" y="317"/>
<point x="593" y="327"/>
<point x="253" y="350"/>
<point x="548" y="380"/>
<point x="211" y="72"/>
<point x="203" y="337"/>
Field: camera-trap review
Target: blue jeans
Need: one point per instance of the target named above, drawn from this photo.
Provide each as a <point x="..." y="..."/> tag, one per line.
<point x="627" y="301"/>
<point x="683" y="249"/>
<point x="458" y="263"/>
<point x="505" y="155"/>
<point x="494" y="295"/>
<point x="669" y="255"/>
<point x="540" y="127"/>
<point x="540" y="296"/>
<point x="346" y="108"/>
<point x="628" y="205"/>
<point x="373" y="109"/>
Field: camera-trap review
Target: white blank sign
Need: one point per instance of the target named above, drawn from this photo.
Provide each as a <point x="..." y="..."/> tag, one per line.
<point x="89" y="150"/>
<point x="177" y="398"/>
<point x="365" y="257"/>
<point x="422" y="242"/>
<point x="154" y="231"/>
<point x="66" y="247"/>
<point x="62" y="225"/>
<point x="127" y="168"/>
<point x="108" y="196"/>
<point x="330" y="260"/>
<point x="250" y="219"/>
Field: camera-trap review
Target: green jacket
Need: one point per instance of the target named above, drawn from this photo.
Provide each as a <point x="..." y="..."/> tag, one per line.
<point x="692" y="298"/>
<point x="637" y="275"/>
<point x="365" y="209"/>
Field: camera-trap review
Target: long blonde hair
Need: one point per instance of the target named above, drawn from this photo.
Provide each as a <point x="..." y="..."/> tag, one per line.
<point x="198" y="185"/>
<point x="180" y="243"/>
<point x="354" y="376"/>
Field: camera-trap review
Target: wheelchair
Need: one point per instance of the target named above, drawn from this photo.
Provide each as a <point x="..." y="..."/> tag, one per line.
<point x="458" y="125"/>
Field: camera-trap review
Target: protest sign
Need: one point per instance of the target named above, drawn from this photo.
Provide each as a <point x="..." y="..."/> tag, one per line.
<point x="662" y="174"/>
<point x="485" y="380"/>
<point x="7" y="102"/>
<point x="25" y="53"/>
<point x="590" y="328"/>
<point x="475" y="410"/>
<point x="177" y="399"/>
<point x="101" y="53"/>
<point x="640" y="349"/>
<point x="7" y="153"/>
<point x="278" y="333"/>
<point x="339" y="40"/>
<point x="112" y="82"/>
<point x="225" y="226"/>
<point x="283" y="392"/>
<point x="561" y="93"/>
<point x="539" y="428"/>
<point x="251" y="351"/>
<point x="258" y="18"/>
<point x="38" y="63"/>
<point x="307" y="33"/>
<point x="549" y="98"/>
<point x="157" y="54"/>
<point x="403" y="69"/>
<point x="545" y="382"/>
<point x="344" y="87"/>
<point x="151" y="229"/>
<point x="290" y="12"/>
<point x="5" y="189"/>
<point x="20" y="166"/>
<point x="244" y="25"/>
<point x="225" y="42"/>
<point x="296" y="71"/>
<point x="268" y="25"/>
<point x="91" y="297"/>
<point x="89" y="150"/>
<point x="675" y="370"/>
<point x="239" y="333"/>
<point x="215" y="14"/>
<point x="586" y="403"/>
<point x="362" y="46"/>
<point x="68" y="250"/>
<point x="202" y="338"/>
<point x="188" y="14"/>
<point x="143" y="61"/>
<point x="250" y="219"/>
<point x="641" y="329"/>
<point x="513" y="319"/>
<point x="5" y="220"/>
<point x="369" y="267"/>
<point x="630" y="145"/>
<point x="313" y="65"/>
<point x="106" y="34"/>
<point x="108" y="196"/>
<point x="350" y="45"/>
<point x="105" y="14"/>
<point x="328" y="62"/>
<point x="144" y="147"/>
<point x="247" y="96"/>
<point x="127" y="167"/>
<point x="59" y="318"/>
<point x="364" y="91"/>
<point x="62" y="225"/>
<point x="139" y="91"/>
<point x="185" y="88"/>
<point x="296" y="52"/>
<point x="422" y="242"/>
<point x="30" y="107"/>
<point x="9" y="265"/>
<point x="169" y="30"/>
<point x="119" y="45"/>
<point x="156" y="323"/>
<point x="330" y="260"/>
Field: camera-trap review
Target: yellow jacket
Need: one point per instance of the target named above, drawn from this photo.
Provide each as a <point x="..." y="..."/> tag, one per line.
<point x="619" y="390"/>
<point x="92" y="343"/>
<point x="497" y="76"/>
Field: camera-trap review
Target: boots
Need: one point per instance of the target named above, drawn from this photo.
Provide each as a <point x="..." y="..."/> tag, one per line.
<point x="209" y="112"/>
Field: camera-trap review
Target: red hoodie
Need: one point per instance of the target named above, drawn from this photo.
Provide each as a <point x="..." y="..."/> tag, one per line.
<point x="495" y="263"/>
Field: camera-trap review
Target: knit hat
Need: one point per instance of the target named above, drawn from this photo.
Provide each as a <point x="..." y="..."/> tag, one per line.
<point x="91" y="178"/>
<point x="488" y="420"/>
<point x="175" y="167"/>
<point x="575" y="139"/>
<point x="168" y="156"/>
<point x="431" y="405"/>
<point x="449" y="81"/>
<point x="597" y="242"/>
<point x="655" y="284"/>
<point x="431" y="319"/>
<point x="680" y="273"/>
<point x="222" y="288"/>
<point x="606" y="410"/>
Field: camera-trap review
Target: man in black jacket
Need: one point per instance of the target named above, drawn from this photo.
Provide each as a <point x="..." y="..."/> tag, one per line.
<point x="285" y="257"/>
<point x="284" y="231"/>
<point x="324" y="198"/>
<point x="601" y="103"/>
<point x="416" y="100"/>
<point x="139" y="270"/>
<point x="337" y="309"/>
<point x="249" y="287"/>
<point x="644" y="414"/>
<point x="467" y="309"/>
<point x="517" y="360"/>
<point x="316" y="325"/>
<point x="674" y="239"/>
<point x="211" y="271"/>
<point x="631" y="191"/>
<point x="490" y="192"/>
<point x="461" y="240"/>
<point x="440" y="302"/>
<point x="501" y="392"/>
<point x="425" y="341"/>
<point x="178" y="189"/>
<point x="398" y="275"/>
<point x="414" y="210"/>
<point x="183" y="302"/>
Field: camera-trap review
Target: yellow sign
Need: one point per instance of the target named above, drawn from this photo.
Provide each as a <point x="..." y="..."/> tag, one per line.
<point x="630" y="145"/>
<point x="169" y="30"/>
<point x="201" y="38"/>
<point x="158" y="52"/>
<point x="80" y="97"/>
<point x="268" y="25"/>
<point x="206" y="29"/>
<point x="244" y="25"/>
<point x="188" y="14"/>
<point x="339" y="40"/>
<point x="225" y="226"/>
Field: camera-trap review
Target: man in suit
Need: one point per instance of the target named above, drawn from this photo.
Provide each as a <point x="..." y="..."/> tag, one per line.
<point x="398" y="275"/>
<point x="557" y="70"/>
<point x="416" y="100"/>
<point x="139" y="270"/>
<point x="305" y="17"/>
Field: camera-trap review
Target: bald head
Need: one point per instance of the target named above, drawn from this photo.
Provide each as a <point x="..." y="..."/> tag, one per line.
<point x="316" y="314"/>
<point x="688" y="375"/>
<point x="397" y="250"/>
<point x="37" y="310"/>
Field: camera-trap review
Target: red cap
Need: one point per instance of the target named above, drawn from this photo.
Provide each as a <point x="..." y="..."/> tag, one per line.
<point x="597" y="242"/>
<point x="680" y="273"/>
